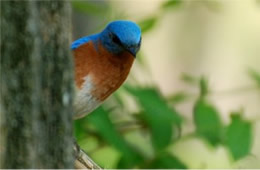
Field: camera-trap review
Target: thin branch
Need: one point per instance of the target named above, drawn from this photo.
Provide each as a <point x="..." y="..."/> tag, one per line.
<point x="244" y="89"/>
<point x="220" y="93"/>
<point x="83" y="161"/>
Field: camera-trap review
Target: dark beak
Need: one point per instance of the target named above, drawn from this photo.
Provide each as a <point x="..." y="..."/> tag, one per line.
<point x="132" y="50"/>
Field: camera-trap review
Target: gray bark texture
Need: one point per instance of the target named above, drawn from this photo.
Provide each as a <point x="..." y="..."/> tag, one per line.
<point x="36" y="85"/>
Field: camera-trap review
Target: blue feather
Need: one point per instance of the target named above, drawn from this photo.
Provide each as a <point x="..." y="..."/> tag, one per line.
<point x="84" y="40"/>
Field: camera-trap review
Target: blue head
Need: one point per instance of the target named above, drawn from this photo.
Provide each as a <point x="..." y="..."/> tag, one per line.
<point x="121" y="36"/>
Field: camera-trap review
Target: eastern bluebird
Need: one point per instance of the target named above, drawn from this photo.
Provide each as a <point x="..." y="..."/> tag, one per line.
<point x="102" y="63"/>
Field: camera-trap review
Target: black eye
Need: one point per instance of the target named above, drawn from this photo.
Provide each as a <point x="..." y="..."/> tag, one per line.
<point x="115" y="39"/>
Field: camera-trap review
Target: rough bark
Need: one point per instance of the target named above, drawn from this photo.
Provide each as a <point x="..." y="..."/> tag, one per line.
<point x="36" y="85"/>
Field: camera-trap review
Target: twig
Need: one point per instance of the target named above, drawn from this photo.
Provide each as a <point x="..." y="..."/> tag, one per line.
<point x="82" y="160"/>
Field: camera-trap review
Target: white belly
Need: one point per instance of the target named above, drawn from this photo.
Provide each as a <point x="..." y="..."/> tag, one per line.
<point x="85" y="102"/>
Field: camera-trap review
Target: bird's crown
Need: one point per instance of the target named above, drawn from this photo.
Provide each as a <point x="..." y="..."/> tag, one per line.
<point x="122" y="35"/>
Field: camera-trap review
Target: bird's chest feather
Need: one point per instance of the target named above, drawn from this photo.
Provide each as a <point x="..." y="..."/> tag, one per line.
<point x="99" y="71"/>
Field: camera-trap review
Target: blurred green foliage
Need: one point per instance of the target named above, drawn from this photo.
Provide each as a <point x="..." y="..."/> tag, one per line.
<point x="156" y="113"/>
<point x="170" y="4"/>
<point x="239" y="136"/>
<point x="157" y="122"/>
<point x="160" y="121"/>
<point x="90" y="8"/>
<point x="147" y="23"/>
<point x="150" y="22"/>
<point x="166" y="161"/>
<point x="207" y="121"/>
<point x="255" y="76"/>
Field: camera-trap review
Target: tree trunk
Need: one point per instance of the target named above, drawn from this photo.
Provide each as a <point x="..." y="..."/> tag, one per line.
<point x="36" y="85"/>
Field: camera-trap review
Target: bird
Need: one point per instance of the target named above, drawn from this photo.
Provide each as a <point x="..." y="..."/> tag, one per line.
<point x="102" y="63"/>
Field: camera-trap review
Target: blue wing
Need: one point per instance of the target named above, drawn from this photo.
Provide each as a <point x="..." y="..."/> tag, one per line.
<point x="83" y="40"/>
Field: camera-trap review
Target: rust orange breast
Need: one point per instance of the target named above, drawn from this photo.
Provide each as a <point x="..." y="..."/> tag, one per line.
<point x="107" y="71"/>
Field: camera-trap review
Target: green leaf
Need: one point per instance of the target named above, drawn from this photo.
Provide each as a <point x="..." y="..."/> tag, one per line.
<point x="207" y="121"/>
<point x="99" y="118"/>
<point x="189" y="79"/>
<point x="78" y="130"/>
<point x="255" y="76"/>
<point x="166" y="161"/>
<point x="178" y="97"/>
<point x="147" y="24"/>
<point x="203" y="87"/>
<point x="89" y="7"/>
<point x="170" y="4"/>
<point x="239" y="136"/>
<point x="159" y="116"/>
